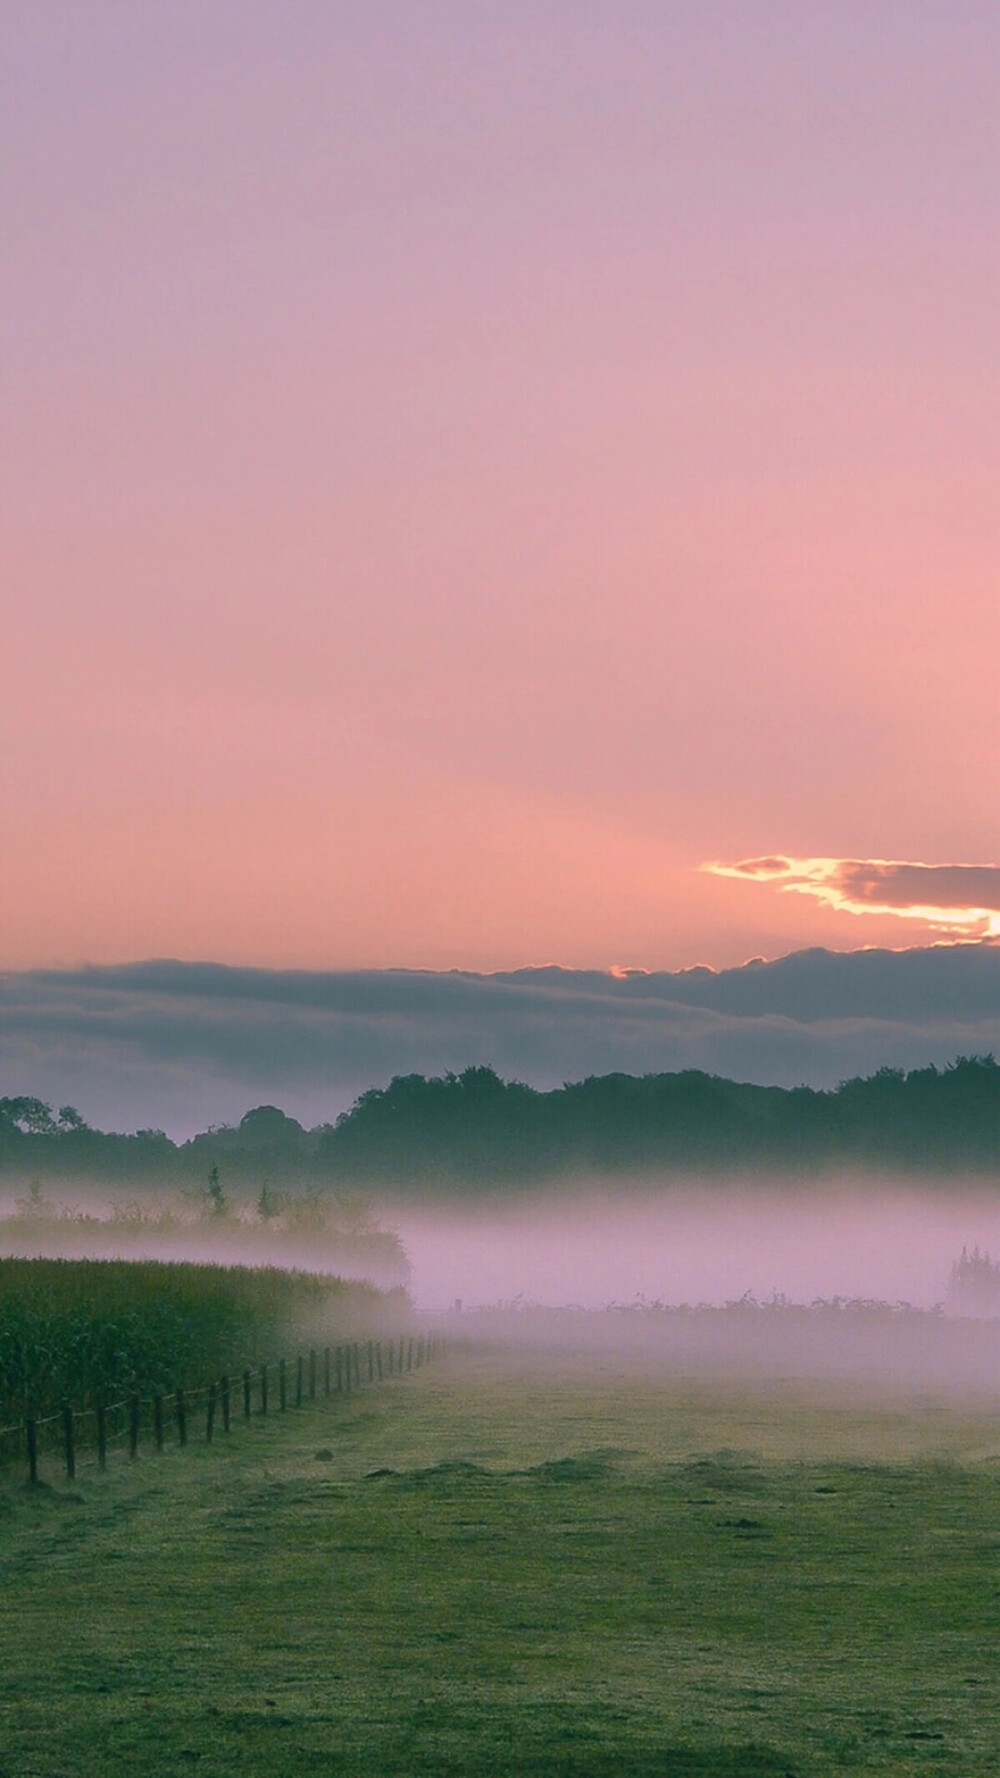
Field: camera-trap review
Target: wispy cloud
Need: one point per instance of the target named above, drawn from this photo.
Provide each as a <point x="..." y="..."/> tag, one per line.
<point x="960" y="899"/>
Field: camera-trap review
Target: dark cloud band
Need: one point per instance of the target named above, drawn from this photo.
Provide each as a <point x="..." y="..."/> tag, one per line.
<point x="182" y="1045"/>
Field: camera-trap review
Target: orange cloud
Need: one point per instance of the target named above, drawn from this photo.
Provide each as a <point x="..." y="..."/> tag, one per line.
<point x="961" y="899"/>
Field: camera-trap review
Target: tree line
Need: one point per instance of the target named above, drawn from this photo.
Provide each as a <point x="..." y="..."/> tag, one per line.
<point x="461" y="1131"/>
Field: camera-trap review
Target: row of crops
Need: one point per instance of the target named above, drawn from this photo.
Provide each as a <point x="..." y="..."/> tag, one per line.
<point x="87" y="1331"/>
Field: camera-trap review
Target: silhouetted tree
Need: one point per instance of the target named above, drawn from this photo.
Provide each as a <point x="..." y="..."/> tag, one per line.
<point x="974" y="1286"/>
<point x="216" y="1196"/>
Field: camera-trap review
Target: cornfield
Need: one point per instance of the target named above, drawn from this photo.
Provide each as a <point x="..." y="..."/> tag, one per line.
<point x="84" y="1331"/>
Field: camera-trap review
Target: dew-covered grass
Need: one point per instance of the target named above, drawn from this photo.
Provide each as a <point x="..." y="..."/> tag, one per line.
<point x="511" y="1565"/>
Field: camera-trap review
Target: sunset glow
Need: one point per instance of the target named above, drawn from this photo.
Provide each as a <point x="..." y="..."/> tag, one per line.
<point x="476" y="463"/>
<point x="938" y="895"/>
<point x="500" y="887"/>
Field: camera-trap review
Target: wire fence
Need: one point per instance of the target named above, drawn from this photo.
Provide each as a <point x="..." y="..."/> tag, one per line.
<point x="74" y="1436"/>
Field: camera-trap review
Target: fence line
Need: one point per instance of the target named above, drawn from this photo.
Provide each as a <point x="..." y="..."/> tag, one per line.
<point x="338" y="1370"/>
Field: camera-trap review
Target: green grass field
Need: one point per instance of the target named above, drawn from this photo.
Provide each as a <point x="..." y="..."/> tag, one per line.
<point x="500" y="1566"/>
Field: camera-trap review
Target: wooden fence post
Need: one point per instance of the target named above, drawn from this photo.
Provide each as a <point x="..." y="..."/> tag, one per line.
<point x="409" y="1355"/>
<point x="133" y="1426"/>
<point x="342" y="1384"/>
<point x="31" y="1435"/>
<point x="158" y="1421"/>
<point x="282" y="1385"/>
<point x="371" y="1361"/>
<point x="298" y="1381"/>
<point x="224" y="1391"/>
<point x="182" y="1430"/>
<point x="263" y="1388"/>
<point x="102" y="1436"/>
<point x="246" y="1395"/>
<point x="378" y="1359"/>
<point x="326" y="1370"/>
<point x="69" y="1441"/>
<point x="210" y="1413"/>
<point x="312" y="1373"/>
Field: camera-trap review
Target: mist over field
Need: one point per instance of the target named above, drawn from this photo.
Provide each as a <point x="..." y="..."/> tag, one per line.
<point x="699" y="1243"/>
<point x="580" y="1240"/>
<point x="586" y="1243"/>
<point x="648" y="1206"/>
<point x="331" y="1235"/>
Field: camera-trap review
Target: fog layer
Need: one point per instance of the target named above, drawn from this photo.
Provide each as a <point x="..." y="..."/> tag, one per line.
<point x="699" y="1244"/>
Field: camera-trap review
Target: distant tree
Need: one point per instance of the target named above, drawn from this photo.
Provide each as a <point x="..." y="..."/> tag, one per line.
<point x="268" y="1205"/>
<point x="217" y="1199"/>
<point x="266" y="1124"/>
<point x="974" y="1286"/>
<point x="460" y="1132"/>
<point x="36" y="1203"/>
<point x="308" y="1214"/>
<point x="31" y="1116"/>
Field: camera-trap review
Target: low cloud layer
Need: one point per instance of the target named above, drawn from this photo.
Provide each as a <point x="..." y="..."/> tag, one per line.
<point x="183" y="1045"/>
<point x="952" y="898"/>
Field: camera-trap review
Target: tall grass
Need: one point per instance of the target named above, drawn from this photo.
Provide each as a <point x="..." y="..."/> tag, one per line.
<point x="90" y="1330"/>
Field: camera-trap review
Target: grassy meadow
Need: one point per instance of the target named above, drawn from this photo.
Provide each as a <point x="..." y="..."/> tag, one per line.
<point x="513" y="1564"/>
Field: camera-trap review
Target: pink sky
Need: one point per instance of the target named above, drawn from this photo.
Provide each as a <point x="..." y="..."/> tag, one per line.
<point x="466" y="468"/>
